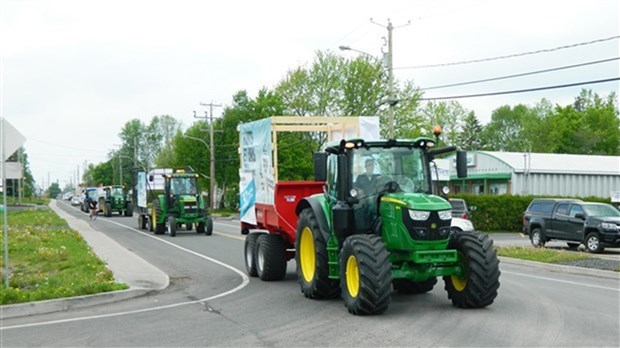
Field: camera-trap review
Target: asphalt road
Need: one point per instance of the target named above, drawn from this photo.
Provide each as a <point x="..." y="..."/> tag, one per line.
<point x="210" y="303"/>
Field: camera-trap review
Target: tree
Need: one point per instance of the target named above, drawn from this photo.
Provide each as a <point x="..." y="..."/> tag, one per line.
<point x="449" y="115"/>
<point x="28" y="181"/>
<point x="54" y="190"/>
<point x="469" y="137"/>
<point x="505" y="131"/>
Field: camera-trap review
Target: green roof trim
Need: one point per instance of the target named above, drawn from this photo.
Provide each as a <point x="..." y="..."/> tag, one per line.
<point x="483" y="176"/>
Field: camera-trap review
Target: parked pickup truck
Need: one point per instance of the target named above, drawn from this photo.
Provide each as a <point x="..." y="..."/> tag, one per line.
<point x="596" y="225"/>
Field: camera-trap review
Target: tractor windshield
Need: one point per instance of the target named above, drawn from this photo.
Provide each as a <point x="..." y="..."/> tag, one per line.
<point x="401" y="167"/>
<point x="116" y="191"/>
<point x="183" y="186"/>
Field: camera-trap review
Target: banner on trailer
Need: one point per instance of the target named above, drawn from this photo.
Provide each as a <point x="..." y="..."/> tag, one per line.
<point x="256" y="158"/>
<point x="247" y="198"/>
<point x="141" y="189"/>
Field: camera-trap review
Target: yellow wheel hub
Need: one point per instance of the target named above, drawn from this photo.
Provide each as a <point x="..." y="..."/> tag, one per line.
<point x="154" y="219"/>
<point x="353" y="276"/>
<point x="307" y="257"/>
<point x="460" y="283"/>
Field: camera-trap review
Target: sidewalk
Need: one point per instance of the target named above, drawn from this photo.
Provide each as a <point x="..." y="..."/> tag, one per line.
<point x="127" y="267"/>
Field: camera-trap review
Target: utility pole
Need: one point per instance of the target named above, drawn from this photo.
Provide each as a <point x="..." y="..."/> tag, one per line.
<point x="211" y="152"/>
<point x="389" y="54"/>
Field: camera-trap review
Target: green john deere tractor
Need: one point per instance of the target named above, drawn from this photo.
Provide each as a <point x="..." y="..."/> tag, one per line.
<point x="181" y="203"/>
<point x="377" y="227"/>
<point x="115" y="200"/>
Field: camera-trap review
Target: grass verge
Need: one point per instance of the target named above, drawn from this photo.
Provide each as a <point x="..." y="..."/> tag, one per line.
<point x="539" y="254"/>
<point x="49" y="260"/>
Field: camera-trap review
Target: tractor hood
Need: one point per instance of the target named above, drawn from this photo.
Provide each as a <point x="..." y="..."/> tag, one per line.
<point x="417" y="201"/>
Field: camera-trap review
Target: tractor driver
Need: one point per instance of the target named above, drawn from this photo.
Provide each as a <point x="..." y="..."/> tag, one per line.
<point x="366" y="183"/>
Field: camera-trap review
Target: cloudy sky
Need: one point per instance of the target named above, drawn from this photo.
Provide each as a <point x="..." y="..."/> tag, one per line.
<point x="73" y="72"/>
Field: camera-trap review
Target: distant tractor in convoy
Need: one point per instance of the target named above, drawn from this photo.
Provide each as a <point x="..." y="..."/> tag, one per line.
<point x="369" y="224"/>
<point x="114" y="199"/>
<point x="179" y="203"/>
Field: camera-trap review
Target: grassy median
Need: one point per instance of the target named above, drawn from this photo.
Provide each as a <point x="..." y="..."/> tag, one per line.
<point x="49" y="260"/>
<point x="540" y="254"/>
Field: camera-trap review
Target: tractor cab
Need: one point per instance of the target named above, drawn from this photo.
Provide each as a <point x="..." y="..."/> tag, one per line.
<point x="115" y="193"/>
<point x="181" y="192"/>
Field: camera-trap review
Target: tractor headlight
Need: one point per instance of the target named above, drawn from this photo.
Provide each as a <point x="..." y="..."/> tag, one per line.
<point x="353" y="193"/>
<point x="445" y="214"/>
<point x="419" y="215"/>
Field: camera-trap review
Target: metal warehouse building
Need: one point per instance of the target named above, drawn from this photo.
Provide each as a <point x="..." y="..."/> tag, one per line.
<point x="540" y="174"/>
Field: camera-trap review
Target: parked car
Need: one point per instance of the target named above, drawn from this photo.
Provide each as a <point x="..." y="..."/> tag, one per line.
<point x="459" y="208"/>
<point x="458" y="225"/>
<point x="596" y="225"/>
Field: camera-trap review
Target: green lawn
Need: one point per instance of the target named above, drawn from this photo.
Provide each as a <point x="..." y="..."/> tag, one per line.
<point x="540" y="254"/>
<point x="49" y="260"/>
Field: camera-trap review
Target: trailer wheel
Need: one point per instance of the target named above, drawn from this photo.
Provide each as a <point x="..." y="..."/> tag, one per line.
<point x="141" y="222"/>
<point x="365" y="274"/>
<point x="158" y="228"/>
<point x="406" y="286"/>
<point x="311" y="257"/>
<point x="478" y="285"/>
<point x="270" y="257"/>
<point x="172" y="226"/>
<point x="249" y="252"/>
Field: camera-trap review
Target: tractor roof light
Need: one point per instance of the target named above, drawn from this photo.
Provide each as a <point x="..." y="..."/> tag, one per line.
<point x="349" y="145"/>
<point x="437" y="130"/>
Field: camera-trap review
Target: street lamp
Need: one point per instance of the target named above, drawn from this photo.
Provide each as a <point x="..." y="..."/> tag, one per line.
<point x="347" y="48"/>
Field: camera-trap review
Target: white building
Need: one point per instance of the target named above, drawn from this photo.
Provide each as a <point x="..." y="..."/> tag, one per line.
<point x="540" y="174"/>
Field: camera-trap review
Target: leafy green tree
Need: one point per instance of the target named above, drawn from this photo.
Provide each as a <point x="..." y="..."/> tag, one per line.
<point x="469" y="137"/>
<point x="505" y="131"/>
<point x="54" y="190"/>
<point x="28" y="181"/>
<point x="449" y="115"/>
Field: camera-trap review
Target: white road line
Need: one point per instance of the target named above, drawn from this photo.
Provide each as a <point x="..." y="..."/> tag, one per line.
<point x="245" y="282"/>
<point x="562" y="281"/>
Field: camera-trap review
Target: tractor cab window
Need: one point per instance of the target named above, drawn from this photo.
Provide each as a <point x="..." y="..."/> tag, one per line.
<point x="116" y="191"/>
<point x="183" y="186"/>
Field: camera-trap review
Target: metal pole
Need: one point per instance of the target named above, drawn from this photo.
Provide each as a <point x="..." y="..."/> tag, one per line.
<point x="390" y="83"/>
<point x="5" y="232"/>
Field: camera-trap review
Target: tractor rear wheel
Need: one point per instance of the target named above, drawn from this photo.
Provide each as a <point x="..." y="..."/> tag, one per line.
<point x="365" y="274"/>
<point x="270" y="257"/>
<point x="311" y="257"/>
<point x="249" y="251"/>
<point x="159" y="228"/>
<point x="172" y="226"/>
<point x="406" y="286"/>
<point x="478" y="285"/>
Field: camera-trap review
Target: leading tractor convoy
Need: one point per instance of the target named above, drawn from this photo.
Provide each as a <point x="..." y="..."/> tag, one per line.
<point x="361" y="238"/>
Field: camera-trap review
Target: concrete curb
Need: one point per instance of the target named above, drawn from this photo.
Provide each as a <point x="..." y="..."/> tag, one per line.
<point x="127" y="267"/>
<point x="562" y="268"/>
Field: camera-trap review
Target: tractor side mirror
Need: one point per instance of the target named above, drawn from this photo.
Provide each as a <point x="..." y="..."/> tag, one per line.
<point x="461" y="164"/>
<point x="320" y="166"/>
<point x="151" y="177"/>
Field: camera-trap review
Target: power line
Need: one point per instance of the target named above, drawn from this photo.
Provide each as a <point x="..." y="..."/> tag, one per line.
<point x="521" y="74"/>
<point x="510" y="55"/>
<point x="522" y="90"/>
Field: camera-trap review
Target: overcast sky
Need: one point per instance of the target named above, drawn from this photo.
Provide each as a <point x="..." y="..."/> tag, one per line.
<point x="74" y="72"/>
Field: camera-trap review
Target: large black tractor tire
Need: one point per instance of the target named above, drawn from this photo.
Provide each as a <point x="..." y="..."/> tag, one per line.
<point x="537" y="238"/>
<point x="172" y="226"/>
<point x="129" y="210"/>
<point x="593" y="243"/>
<point x="189" y="226"/>
<point x="249" y="252"/>
<point x="209" y="230"/>
<point x="311" y="257"/>
<point x="365" y="275"/>
<point x="159" y="228"/>
<point x="406" y="286"/>
<point x="107" y="210"/>
<point x="478" y="286"/>
<point x="270" y="257"/>
<point x="200" y="227"/>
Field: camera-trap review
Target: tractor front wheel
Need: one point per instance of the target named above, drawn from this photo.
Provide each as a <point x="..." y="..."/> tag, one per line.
<point x="107" y="210"/>
<point x="406" y="286"/>
<point x="311" y="257"/>
<point x="250" y="252"/>
<point x="129" y="210"/>
<point x="365" y="274"/>
<point x="172" y="226"/>
<point x="270" y="257"/>
<point x="477" y="286"/>
<point x="209" y="230"/>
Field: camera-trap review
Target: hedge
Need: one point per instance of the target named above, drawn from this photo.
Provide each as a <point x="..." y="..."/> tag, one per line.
<point x="504" y="212"/>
